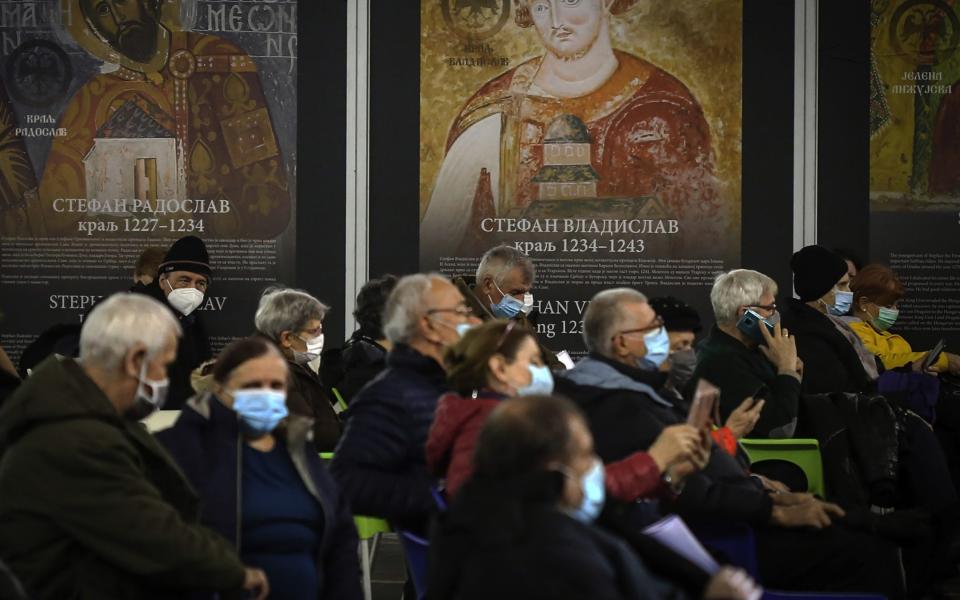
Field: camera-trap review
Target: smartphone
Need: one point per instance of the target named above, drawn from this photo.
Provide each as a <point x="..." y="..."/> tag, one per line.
<point x="749" y="324"/>
<point x="705" y="408"/>
<point x="933" y="356"/>
<point x="761" y="394"/>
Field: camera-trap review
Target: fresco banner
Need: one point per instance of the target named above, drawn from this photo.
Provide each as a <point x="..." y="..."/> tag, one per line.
<point x="602" y="137"/>
<point x="125" y="125"/>
<point x="914" y="153"/>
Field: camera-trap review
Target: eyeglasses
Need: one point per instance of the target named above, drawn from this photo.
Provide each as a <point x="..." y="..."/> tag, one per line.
<point x="656" y="324"/>
<point x="503" y="336"/>
<point x="769" y="307"/>
<point x="463" y="311"/>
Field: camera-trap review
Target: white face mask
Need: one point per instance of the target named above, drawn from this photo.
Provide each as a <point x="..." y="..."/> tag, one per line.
<point x="314" y="348"/>
<point x="527" y="307"/>
<point x="185" y="300"/>
<point x="151" y="395"/>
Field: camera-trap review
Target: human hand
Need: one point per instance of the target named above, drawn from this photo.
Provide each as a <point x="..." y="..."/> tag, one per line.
<point x="743" y="419"/>
<point x="772" y="484"/>
<point x="697" y="461"/>
<point x="789" y="498"/>
<point x="730" y="583"/>
<point x="255" y="580"/>
<point x="953" y="363"/>
<point x="814" y="514"/>
<point x="780" y="349"/>
<point x="674" y="444"/>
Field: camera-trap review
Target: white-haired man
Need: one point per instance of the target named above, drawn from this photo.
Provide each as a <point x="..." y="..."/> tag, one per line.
<point x="616" y="388"/>
<point x="380" y="460"/>
<point x="752" y="356"/>
<point x="502" y="289"/>
<point x="90" y="504"/>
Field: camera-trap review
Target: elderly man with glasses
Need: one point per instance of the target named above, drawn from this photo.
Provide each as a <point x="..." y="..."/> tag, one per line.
<point x="380" y="461"/>
<point x="748" y="354"/>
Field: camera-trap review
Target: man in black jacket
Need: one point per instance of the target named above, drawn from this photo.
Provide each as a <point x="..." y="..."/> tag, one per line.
<point x="616" y="386"/>
<point x="181" y="284"/>
<point x="744" y="365"/>
<point x="380" y="461"/>
<point x="91" y="506"/>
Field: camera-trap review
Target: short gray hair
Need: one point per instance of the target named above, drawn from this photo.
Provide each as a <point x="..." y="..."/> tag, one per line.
<point x="406" y="305"/>
<point x="286" y="309"/>
<point x="740" y="287"/>
<point x="500" y="260"/>
<point x="121" y="322"/>
<point x="604" y="317"/>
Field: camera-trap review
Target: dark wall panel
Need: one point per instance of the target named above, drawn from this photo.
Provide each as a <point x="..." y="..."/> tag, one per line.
<point x="843" y="123"/>
<point x="321" y="176"/>
<point x="768" y="47"/>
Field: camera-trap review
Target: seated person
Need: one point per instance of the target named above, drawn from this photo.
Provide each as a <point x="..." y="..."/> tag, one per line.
<point x="615" y="388"/>
<point x="364" y="355"/>
<point x="502" y="290"/>
<point x="380" y="460"/>
<point x="260" y="479"/>
<point x="824" y="341"/>
<point x="145" y="270"/>
<point x="682" y="323"/>
<point x="293" y="321"/>
<point x="500" y="360"/>
<point x="91" y="506"/>
<point x="523" y="526"/>
<point x="742" y="363"/>
<point x="876" y="301"/>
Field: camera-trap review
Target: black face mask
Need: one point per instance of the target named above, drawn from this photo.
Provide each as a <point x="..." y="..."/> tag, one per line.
<point x="682" y="365"/>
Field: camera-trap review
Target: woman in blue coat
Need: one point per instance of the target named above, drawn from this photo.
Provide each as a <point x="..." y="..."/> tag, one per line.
<point x="261" y="482"/>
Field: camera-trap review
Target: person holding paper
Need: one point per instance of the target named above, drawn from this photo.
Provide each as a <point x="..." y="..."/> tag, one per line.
<point x="800" y="544"/>
<point x="534" y="522"/>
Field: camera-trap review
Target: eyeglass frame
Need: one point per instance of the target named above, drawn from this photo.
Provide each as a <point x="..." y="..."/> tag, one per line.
<point x="658" y="323"/>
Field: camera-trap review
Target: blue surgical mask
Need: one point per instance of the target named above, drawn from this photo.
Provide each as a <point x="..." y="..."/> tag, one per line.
<point x="463" y="328"/>
<point x="658" y="346"/>
<point x="260" y="410"/>
<point x="842" y="301"/>
<point x="508" y="307"/>
<point x="541" y="382"/>
<point x="594" y="494"/>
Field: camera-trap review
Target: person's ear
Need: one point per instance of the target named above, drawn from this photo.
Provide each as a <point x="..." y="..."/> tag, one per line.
<point x="497" y="365"/>
<point x="134" y="360"/>
<point x="284" y="339"/>
<point x="486" y="285"/>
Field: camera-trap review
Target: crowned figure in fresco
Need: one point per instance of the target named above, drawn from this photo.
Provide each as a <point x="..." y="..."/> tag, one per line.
<point x="182" y="115"/>
<point x="647" y="136"/>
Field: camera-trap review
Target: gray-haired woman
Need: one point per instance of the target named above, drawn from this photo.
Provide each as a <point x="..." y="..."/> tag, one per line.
<point x="293" y="320"/>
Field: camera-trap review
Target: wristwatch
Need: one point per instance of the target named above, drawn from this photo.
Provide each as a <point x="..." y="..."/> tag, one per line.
<point x="675" y="486"/>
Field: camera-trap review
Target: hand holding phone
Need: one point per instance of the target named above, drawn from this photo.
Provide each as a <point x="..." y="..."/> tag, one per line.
<point x="933" y="356"/>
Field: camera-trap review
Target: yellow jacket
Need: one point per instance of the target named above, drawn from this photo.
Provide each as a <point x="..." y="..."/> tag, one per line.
<point x="894" y="351"/>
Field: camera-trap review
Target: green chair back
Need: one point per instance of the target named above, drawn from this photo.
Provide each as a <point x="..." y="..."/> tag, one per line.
<point x="802" y="452"/>
<point x="341" y="404"/>
<point x="367" y="527"/>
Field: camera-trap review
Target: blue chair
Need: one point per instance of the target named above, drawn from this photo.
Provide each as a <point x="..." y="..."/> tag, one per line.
<point x="734" y="541"/>
<point x="415" y="549"/>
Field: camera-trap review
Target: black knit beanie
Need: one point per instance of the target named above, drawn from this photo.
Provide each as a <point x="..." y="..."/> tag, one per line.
<point x="677" y="315"/>
<point x="187" y="254"/>
<point x="815" y="271"/>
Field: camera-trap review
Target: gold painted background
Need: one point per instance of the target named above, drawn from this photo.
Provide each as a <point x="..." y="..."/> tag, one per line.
<point x="697" y="41"/>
